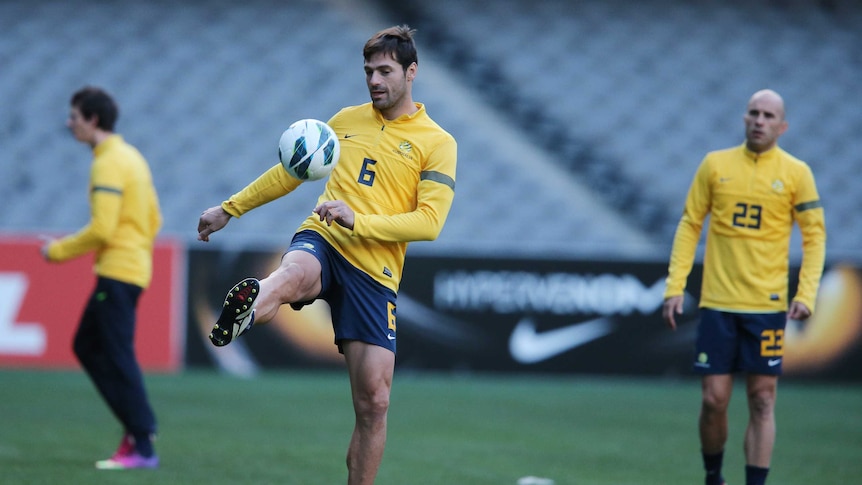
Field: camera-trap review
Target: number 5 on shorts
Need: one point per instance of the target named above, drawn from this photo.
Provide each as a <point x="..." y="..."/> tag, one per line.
<point x="391" y="312"/>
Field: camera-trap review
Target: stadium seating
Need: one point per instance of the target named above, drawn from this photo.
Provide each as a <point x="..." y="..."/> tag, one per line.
<point x="644" y="89"/>
<point x="579" y="124"/>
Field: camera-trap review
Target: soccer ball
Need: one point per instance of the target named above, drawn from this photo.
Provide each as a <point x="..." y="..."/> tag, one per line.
<point x="309" y="149"/>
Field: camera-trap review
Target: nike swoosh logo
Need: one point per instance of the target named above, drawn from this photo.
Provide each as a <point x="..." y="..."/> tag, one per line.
<point x="390" y="336"/>
<point x="349" y="136"/>
<point x="529" y="347"/>
<point x="773" y="362"/>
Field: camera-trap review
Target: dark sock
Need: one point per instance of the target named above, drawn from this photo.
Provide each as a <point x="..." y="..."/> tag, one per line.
<point x="712" y="465"/>
<point x="755" y="475"/>
<point x="144" y="444"/>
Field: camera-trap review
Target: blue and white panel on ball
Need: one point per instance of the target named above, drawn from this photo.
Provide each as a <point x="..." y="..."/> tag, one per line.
<point x="309" y="149"/>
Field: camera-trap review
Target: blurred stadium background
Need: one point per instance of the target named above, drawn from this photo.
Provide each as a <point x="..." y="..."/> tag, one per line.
<point x="579" y="123"/>
<point x="590" y="115"/>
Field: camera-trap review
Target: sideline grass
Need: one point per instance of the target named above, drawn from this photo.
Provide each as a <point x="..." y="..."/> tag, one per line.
<point x="293" y="428"/>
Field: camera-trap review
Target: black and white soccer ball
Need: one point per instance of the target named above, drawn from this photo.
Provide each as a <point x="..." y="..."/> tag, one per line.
<point x="309" y="149"/>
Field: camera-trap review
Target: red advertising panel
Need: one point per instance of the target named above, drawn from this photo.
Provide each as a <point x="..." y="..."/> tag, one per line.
<point x="42" y="304"/>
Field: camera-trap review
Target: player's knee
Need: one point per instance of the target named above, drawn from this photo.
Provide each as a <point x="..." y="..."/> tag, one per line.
<point x="715" y="402"/>
<point x="290" y="282"/>
<point x="372" y="406"/>
<point x="761" y="402"/>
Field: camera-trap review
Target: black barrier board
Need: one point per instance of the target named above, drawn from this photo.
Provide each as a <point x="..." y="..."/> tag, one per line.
<point x="519" y="315"/>
<point x="540" y="316"/>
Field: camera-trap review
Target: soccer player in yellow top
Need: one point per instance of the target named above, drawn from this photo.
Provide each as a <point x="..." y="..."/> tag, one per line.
<point x="752" y="193"/>
<point x="125" y="219"/>
<point x="394" y="183"/>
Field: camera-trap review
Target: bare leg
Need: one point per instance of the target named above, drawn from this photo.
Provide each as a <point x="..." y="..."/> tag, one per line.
<point x="716" y="392"/>
<point x="371" y="369"/>
<point x="760" y="433"/>
<point x="296" y="279"/>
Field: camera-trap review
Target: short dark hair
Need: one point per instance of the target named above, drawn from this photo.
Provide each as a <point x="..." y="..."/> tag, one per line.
<point x="93" y="101"/>
<point x="397" y="42"/>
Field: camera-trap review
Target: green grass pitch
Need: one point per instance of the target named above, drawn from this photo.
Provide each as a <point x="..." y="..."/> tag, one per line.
<point x="293" y="428"/>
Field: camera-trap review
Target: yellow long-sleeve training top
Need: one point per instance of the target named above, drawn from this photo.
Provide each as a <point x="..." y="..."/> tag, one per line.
<point x="752" y="201"/>
<point x="398" y="176"/>
<point x="124" y="216"/>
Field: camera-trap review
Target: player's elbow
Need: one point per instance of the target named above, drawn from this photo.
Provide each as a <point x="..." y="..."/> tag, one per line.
<point x="426" y="235"/>
<point x="101" y="234"/>
<point x="431" y="231"/>
<point x="435" y="219"/>
<point x="431" y="237"/>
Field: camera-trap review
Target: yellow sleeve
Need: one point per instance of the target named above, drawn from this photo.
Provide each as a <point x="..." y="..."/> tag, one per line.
<point x="156" y="219"/>
<point x="272" y="184"/>
<point x="106" y="197"/>
<point x="808" y="213"/>
<point x="436" y="191"/>
<point x="697" y="206"/>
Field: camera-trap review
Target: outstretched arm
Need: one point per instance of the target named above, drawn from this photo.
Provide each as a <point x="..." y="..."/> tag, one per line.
<point x="271" y="185"/>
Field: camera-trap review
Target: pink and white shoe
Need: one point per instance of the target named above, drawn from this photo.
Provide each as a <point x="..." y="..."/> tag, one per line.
<point x="127" y="462"/>
<point x="126" y="457"/>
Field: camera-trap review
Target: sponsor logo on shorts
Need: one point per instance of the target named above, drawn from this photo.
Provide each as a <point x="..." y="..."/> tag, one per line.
<point x="773" y="362"/>
<point x="702" y="360"/>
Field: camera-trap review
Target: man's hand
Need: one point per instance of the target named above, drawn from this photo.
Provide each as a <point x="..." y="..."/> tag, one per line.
<point x="211" y="221"/>
<point x="336" y="210"/>
<point x="798" y="311"/>
<point x="672" y="306"/>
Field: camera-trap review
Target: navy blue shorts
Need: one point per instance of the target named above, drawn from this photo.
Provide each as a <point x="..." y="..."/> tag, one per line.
<point x="362" y="309"/>
<point x="732" y="342"/>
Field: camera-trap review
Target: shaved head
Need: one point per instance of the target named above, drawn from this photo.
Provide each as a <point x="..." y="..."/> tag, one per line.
<point x="771" y="98"/>
<point x="764" y="120"/>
